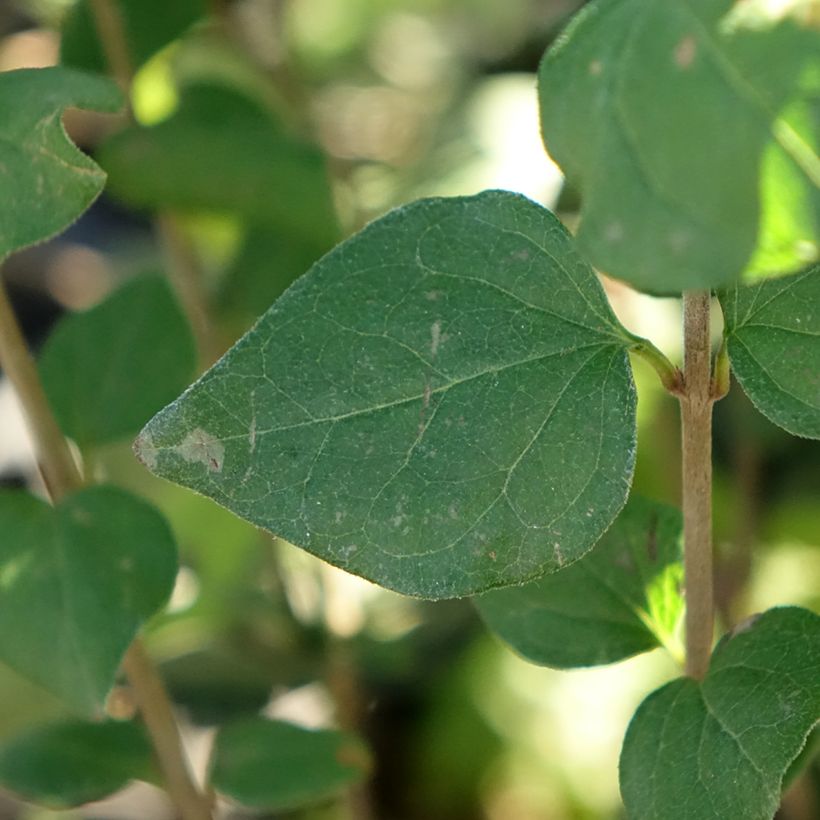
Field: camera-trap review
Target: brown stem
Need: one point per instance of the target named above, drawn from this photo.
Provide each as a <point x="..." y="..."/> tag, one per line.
<point x="62" y="476"/>
<point x="696" y="425"/>
<point x="111" y="32"/>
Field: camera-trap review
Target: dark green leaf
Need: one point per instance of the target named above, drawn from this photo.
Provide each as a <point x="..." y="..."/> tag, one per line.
<point x="222" y="152"/>
<point x="108" y="369"/>
<point x="620" y="599"/>
<point x="77" y="582"/>
<point x="277" y="766"/>
<point x="443" y="404"/>
<point x="149" y="25"/>
<point x="773" y="334"/>
<point x="662" y="112"/>
<point x="47" y="182"/>
<point x="718" y="750"/>
<point x="67" y="764"/>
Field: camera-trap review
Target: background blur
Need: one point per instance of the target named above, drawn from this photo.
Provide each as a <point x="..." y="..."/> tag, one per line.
<point x="369" y="104"/>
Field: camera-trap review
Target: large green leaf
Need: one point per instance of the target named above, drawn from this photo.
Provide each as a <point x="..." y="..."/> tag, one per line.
<point x="70" y="763"/>
<point x="443" y="404"/>
<point x="149" y="25"/>
<point x="222" y="152"/>
<point x="661" y="112"/>
<point x="278" y="766"/>
<point x="108" y="369"/>
<point x="718" y="750"/>
<point x="773" y="335"/>
<point x="47" y="182"/>
<point x="622" y="598"/>
<point x="76" y="583"/>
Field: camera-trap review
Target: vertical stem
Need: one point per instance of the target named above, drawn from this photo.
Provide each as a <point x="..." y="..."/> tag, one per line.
<point x="696" y="425"/>
<point x="111" y="31"/>
<point x="62" y="476"/>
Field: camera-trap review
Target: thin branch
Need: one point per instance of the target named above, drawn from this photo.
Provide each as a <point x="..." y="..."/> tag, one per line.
<point x="696" y="426"/>
<point x="111" y="31"/>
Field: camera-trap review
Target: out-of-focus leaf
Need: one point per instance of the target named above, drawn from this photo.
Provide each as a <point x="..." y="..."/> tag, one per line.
<point x="622" y="598"/>
<point x="719" y="749"/>
<point x="773" y="334"/>
<point x="149" y="25"/>
<point x="108" y="369"/>
<point x="67" y="764"/>
<point x="77" y="582"/>
<point x="443" y="404"/>
<point x="277" y="766"/>
<point x="220" y="151"/>
<point x="662" y="113"/>
<point x="47" y="182"/>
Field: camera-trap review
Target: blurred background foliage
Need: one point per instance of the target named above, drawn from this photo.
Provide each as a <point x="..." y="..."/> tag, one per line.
<point x="265" y="131"/>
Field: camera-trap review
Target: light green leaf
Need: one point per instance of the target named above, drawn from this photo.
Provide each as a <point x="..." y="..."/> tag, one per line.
<point x="76" y="583"/>
<point x="661" y="113"/>
<point x="773" y="335"/>
<point x="620" y="599"/>
<point x="47" y="182"/>
<point x="718" y="750"/>
<point x="108" y="369"/>
<point x="222" y="152"/>
<point x="149" y="25"/>
<point x="66" y="764"/>
<point x="443" y="404"/>
<point x="278" y="766"/>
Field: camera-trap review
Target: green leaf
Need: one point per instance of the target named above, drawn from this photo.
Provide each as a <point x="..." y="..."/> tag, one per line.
<point x="661" y="112"/>
<point x="718" y="750"/>
<point x="620" y="599"/>
<point x="773" y="336"/>
<point x="108" y="369"/>
<point x="149" y="25"/>
<point x="223" y="152"/>
<point x="66" y="764"/>
<point x="76" y="583"/>
<point x="278" y="766"/>
<point x="47" y="182"/>
<point x="443" y="404"/>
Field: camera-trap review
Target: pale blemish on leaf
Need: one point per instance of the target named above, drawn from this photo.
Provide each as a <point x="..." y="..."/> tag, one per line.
<point x="685" y="52"/>
<point x="435" y="337"/>
<point x="199" y="446"/>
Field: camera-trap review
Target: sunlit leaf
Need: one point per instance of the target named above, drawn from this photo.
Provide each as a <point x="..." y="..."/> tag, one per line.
<point x="47" y="182"/>
<point x="277" y="766"/>
<point x="718" y="750"/>
<point x="773" y="334"/>
<point x="443" y="404"/>
<point x="622" y="598"/>
<point x="67" y="764"/>
<point x="108" y="369"/>
<point x="76" y="583"/>
<point x="662" y="112"/>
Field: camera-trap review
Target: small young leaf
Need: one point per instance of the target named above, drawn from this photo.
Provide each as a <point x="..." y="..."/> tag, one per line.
<point x="77" y="582"/>
<point x="277" y="766"/>
<point x="66" y="764"/>
<point x="773" y="335"/>
<point x="443" y="404"/>
<point x="658" y="177"/>
<point x="149" y="25"/>
<point x="222" y="152"/>
<point x="620" y="599"/>
<point x="47" y="181"/>
<point x="108" y="369"/>
<point x="718" y="750"/>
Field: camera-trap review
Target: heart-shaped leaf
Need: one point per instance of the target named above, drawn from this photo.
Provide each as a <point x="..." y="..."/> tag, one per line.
<point x="278" y="766"/>
<point x="658" y="176"/>
<point x="773" y="335"/>
<point x="76" y="583"/>
<point x="718" y="750"/>
<point x="66" y="764"/>
<point x="47" y="182"/>
<point x="102" y="392"/>
<point x="443" y="404"/>
<point x="622" y="598"/>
